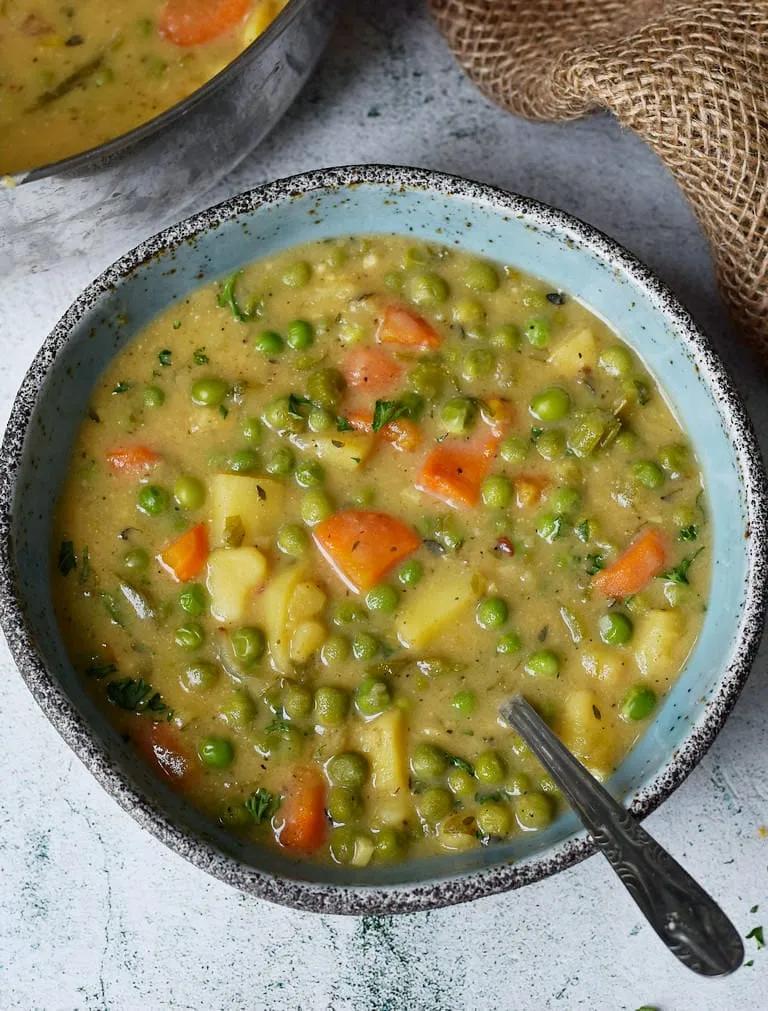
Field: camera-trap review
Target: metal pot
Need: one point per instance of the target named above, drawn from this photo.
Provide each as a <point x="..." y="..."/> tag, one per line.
<point x="144" y="178"/>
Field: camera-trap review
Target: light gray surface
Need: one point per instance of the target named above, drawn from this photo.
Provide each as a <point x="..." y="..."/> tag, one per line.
<point x="96" y="914"/>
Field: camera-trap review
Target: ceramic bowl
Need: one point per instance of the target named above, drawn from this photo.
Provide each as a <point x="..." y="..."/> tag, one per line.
<point x="486" y="221"/>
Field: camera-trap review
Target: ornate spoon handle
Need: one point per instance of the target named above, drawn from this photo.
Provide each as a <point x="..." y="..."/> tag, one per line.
<point x="685" y="917"/>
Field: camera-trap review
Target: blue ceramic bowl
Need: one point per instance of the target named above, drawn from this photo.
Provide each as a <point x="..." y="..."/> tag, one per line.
<point x="548" y="243"/>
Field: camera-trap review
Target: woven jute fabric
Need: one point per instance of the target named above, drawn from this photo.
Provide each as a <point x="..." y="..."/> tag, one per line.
<point x="690" y="78"/>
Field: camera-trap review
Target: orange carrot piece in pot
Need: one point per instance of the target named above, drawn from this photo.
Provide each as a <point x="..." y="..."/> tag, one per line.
<point x="302" y="823"/>
<point x="635" y="567"/>
<point x="194" y="22"/>
<point x="362" y="546"/>
<point x="187" y="555"/>
<point x="399" y="325"/>
<point x="132" y="459"/>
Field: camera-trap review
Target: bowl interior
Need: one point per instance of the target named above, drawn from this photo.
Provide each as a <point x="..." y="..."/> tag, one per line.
<point x="448" y="211"/>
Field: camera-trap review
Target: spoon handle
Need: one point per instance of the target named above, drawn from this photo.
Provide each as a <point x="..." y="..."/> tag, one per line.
<point x="685" y="917"/>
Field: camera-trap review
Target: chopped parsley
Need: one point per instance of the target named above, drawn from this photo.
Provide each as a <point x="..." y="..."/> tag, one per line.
<point x="227" y="299"/>
<point x="461" y="763"/>
<point x="100" y="670"/>
<point x="757" y="934"/>
<point x="344" y="424"/>
<point x="689" y="533"/>
<point x="594" y="564"/>
<point x="135" y="695"/>
<point x="386" y="411"/>
<point x="261" y="805"/>
<point x="67" y="559"/>
<point x="121" y="387"/>
<point x="679" y="574"/>
<point x="165" y="357"/>
<point x="582" y="531"/>
<point x="200" y="357"/>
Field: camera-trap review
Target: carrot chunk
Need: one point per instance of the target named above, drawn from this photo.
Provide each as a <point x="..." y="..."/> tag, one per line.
<point x="399" y="325"/>
<point x="635" y="567"/>
<point x="362" y="546"/>
<point x="402" y="433"/>
<point x="302" y="824"/>
<point x="371" y="369"/>
<point x="193" y="22"/>
<point x="131" y="459"/>
<point x="186" y="556"/>
<point x="454" y="472"/>
<point x="160" y="745"/>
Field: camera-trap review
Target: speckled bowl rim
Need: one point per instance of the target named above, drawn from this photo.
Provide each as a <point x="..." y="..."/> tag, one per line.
<point x="355" y="899"/>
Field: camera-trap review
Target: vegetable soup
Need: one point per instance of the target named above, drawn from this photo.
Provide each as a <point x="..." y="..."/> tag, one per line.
<point x="74" y="75"/>
<point x="325" y="515"/>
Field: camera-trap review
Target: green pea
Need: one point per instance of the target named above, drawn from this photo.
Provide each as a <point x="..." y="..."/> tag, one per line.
<point x="315" y="507"/>
<point x="153" y="396"/>
<point x="550" y="445"/>
<point x="534" y="298"/>
<point x="320" y="420"/>
<point x="189" y="636"/>
<point x="331" y="705"/>
<point x="244" y="461"/>
<point x="216" y="752"/>
<point x="494" y="820"/>
<point x="343" y="805"/>
<point x="513" y="450"/>
<point x="364" y="497"/>
<point x="615" y="628"/>
<point x="449" y="534"/>
<point x="390" y="844"/>
<point x="496" y="491"/>
<point x="639" y="703"/>
<point x="626" y="441"/>
<point x="460" y="782"/>
<point x="481" y="276"/>
<point x="415" y="256"/>
<point x="552" y="404"/>
<point x="505" y="337"/>
<point x="542" y="663"/>
<point x="309" y="474"/>
<point x="269" y="342"/>
<point x="458" y="415"/>
<point x="477" y="364"/>
<point x="428" y="761"/>
<point x="152" y="499"/>
<point x="533" y="811"/>
<point x="410" y="573"/>
<point x="300" y="335"/>
<point x="136" y="559"/>
<point x="508" y="644"/>
<point x="393" y="280"/>
<point x="283" y="740"/>
<point x="280" y="463"/>
<point x="684" y="516"/>
<point x="537" y="333"/>
<point x="426" y="379"/>
<point x="434" y="804"/>
<point x="648" y="474"/>
<point x="675" y="460"/>
<point x="297" y="274"/>
<point x="468" y="312"/>
<point x="292" y="540"/>
<point x="564" y="501"/>
<point x="427" y="288"/>
<point x="491" y="612"/>
<point x="364" y="646"/>
<point x="549" y="527"/>
<point x="349" y="768"/>
<point x="238" y="710"/>
<point x="348" y="613"/>
<point x="616" y="361"/>
<point x="248" y="644"/>
<point x="490" y="768"/>
<point x="325" y="387"/>
<point x="200" y="676"/>
<point x="189" y="492"/>
<point x="280" y="416"/>
<point x="517" y="784"/>
<point x="372" y="695"/>
<point x="383" y="598"/>
<point x="209" y="392"/>
<point x="193" y="599"/>
<point x="252" y="430"/>
<point x="334" y="650"/>
<point x="464" y="702"/>
<point x="297" y="701"/>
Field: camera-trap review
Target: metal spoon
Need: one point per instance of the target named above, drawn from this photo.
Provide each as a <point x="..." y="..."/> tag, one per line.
<point x="686" y="918"/>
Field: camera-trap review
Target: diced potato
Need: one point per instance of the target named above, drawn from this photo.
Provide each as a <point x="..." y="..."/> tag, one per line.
<point x="363" y="851"/>
<point x="583" y="730"/>
<point x="577" y="352"/>
<point x="233" y="576"/>
<point x="437" y="603"/>
<point x="274" y="604"/>
<point x="342" y="450"/>
<point x="306" y="639"/>
<point x="604" y="664"/>
<point x="306" y="601"/>
<point x="656" y="641"/>
<point x="258" y="501"/>
<point x="383" y="741"/>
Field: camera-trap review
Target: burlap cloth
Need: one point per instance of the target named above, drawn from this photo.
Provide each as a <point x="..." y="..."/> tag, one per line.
<point x="690" y="78"/>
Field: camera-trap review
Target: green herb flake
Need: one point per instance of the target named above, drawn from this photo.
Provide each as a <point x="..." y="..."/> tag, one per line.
<point x="757" y="934"/>
<point x="200" y="357"/>
<point x="344" y="424"/>
<point x="689" y="533"/>
<point x="386" y="411"/>
<point x="100" y="670"/>
<point x="121" y="387"/>
<point x="536" y="433"/>
<point x="679" y="574"/>
<point x="165" y="357"/>
<point x="227" y="299"/>
<point x="262" y="805"/>
<point x="135" y="695"/>
<point x="461" y="763"/>
<point x="594" y="564"/>
<point x="582" y="531"/>
<point x="223" y="410"/>
<point x="67" y="559"/>
<point x="177" y="324"/>
<point x="754" y="909"/>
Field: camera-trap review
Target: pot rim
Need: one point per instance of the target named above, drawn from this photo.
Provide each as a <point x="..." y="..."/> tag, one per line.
<point x="409" y="897"/>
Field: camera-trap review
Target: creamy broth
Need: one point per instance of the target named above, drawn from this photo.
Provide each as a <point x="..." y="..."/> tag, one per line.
<point x="75" y="75"/>
<point x="325" y="515"/>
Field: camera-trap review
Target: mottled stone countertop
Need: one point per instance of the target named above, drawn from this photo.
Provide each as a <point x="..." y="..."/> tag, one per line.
<point x="97" y="914"/>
